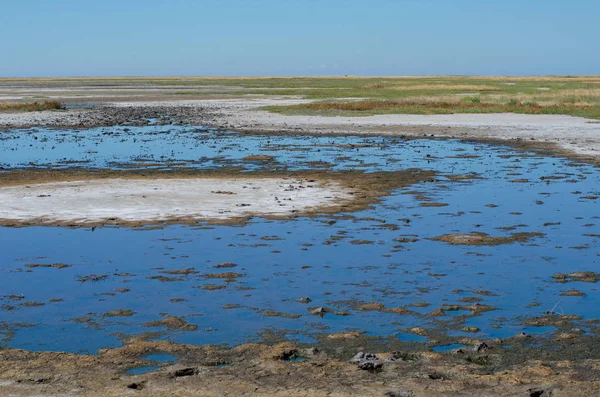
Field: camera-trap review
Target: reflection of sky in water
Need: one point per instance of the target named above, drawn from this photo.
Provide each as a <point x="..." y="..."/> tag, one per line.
<point x="339" y="275"/>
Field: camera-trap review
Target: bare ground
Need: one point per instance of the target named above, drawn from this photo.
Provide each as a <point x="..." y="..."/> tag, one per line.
<point x="262" y="370"/>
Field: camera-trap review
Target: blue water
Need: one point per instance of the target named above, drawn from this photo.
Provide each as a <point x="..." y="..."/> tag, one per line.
<point x="408" y="337"/>
<point x="341" y="274"/>
<point x="447" y="348"/>
<point x="141" y="370"/>
<point x="161" y="358"/>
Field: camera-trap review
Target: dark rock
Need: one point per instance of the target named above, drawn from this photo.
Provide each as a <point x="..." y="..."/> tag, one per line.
<point x="185" y="372"/>
<point x="367" y="361"/>
<point x="318" y="311"/>
<point x="136" y="386"/>
<point x="288" y="355"/>
<point x="370" y="365"/>
<point x="540" y="392"/>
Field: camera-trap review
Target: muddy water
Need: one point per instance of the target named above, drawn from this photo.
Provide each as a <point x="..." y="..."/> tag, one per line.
<point x="376" y="271"/>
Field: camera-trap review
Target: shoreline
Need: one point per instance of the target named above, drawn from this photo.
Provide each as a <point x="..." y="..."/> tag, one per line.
<point x="567" y="136"/>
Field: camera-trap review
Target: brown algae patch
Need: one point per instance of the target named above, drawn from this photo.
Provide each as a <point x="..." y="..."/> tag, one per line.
<point x="186" y="271"/>
<point x="119" y="313"/>
<point x="173" y="322"/>
<point x="225" y="265"/>
<point x="373" y="306"/>
<point x="226" y="275"/>
<point x="586" y="277"/>
<point x="573" y="292"/>
<point x="212" y="287"/>
<point x="485" y="239"/>
<point x="258" y="157"/>
<point x="272" y="313"/>
<point x="53" y="265"/>
<point x="433" y="204"/>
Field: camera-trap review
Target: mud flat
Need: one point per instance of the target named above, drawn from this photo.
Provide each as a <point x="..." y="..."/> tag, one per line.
<point x="151" y="201"/>
<point x="130" y="198"/>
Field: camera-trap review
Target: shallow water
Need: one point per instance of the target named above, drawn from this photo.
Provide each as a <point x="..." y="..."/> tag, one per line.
<point x="339" y="261"/>
<point x="141" y="370"/>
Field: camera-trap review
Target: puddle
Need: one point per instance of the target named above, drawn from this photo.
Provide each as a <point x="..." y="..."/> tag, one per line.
<point x="141" y="370"/>
<point x="447" y="348"/>
<point x="408" y="337"/>
<point x="122" y="282"/>
<point x="297" y="359"/>
<point x="539" y="331"/>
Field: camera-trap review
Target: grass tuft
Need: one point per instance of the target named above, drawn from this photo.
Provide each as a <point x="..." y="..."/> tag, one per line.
<point x="31" y="107"/>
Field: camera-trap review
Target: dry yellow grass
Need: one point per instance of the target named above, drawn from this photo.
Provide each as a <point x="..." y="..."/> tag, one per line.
<point x="30" y="107"/>
<point x="444" y="87"/>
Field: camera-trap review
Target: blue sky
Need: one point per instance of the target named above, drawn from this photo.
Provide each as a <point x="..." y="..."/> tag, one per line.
<point x="298" y="37"/>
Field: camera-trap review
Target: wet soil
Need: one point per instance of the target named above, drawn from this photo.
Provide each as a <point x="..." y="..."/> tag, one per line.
<point x="290" y="369"/>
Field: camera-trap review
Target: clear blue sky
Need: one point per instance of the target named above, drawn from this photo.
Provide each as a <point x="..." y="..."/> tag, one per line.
<point x="298" y="37"/>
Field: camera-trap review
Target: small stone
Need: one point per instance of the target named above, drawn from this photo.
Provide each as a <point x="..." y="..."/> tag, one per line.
<point x="135" y="386"/>
<point x="540" y="392"/>
<point x="184" y="372"/>
<point x="304" y="300"/>
<point x="319" y="311"/>
<point x="370" y="365"/>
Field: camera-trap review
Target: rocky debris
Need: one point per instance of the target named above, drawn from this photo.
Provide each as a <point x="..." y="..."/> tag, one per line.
<point x="369" y="361"/>
<point x="482" y="347"/>
<point x="304" y="300"/>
